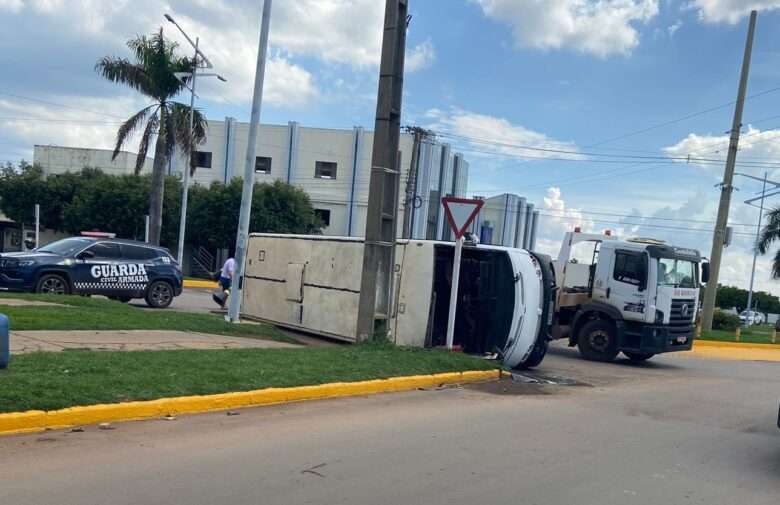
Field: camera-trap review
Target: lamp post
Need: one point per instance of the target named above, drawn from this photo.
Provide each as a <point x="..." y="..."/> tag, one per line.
<point x="186" y="173"/>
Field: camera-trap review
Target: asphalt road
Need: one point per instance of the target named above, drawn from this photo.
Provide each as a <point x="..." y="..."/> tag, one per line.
<point x="674" y="431"/>
<point x="190" y="300"/>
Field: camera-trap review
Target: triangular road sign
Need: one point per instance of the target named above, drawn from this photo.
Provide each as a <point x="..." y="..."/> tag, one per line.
<point x="460" y="213"/>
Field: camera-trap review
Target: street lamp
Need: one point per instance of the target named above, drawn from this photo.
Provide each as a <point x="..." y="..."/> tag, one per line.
<point x="750" y="201"/>
<point x="181" y="77"/>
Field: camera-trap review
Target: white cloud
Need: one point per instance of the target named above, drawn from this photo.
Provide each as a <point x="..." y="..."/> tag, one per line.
<point x="288" y="84"/>
<point x="11" y="5"/>
<point x="598" y="27"/>
<point x="420" y="57"/>
<point x="672" y="29"/>
<point x="729" y="11"/>
<point x="499" y="134"/>
<point x="68" y="127"/>
<point x="754" y="144"/>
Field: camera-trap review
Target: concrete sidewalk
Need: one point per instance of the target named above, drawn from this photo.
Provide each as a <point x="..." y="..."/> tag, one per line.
<point x="132" y="340"/>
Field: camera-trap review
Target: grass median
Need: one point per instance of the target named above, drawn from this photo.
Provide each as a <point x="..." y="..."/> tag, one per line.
<point x="47" y="380"/>
<point x="84" y="313"/>
<point x="759" y="334"/>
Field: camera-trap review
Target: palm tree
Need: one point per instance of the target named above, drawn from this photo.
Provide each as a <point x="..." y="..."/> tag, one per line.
<point x="769" y="234"/>
<point x="153" y="74"/>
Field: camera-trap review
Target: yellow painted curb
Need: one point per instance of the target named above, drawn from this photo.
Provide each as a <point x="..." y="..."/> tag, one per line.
<point x="38" y="420"/>
<point x="734" y="345"/>
<point x="192" y="283"/>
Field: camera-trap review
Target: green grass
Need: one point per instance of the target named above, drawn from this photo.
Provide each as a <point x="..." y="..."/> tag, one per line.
<point x="83" y="313"/>
<point x="57" y="380"/>
<point x="759" y="334"/>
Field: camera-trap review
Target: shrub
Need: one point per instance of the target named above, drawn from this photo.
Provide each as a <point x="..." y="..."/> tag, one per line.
<point x="725" y="321"/>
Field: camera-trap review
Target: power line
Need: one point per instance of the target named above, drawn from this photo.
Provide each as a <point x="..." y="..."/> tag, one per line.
<point x="680" y="119"/>
<point x="621" y="158"/>
<point x="65" y="121"/>
<point x="63" y="106"/>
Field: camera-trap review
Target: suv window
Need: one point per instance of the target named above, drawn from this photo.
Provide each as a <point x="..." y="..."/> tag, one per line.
<point x="105" y="251"/>
<point x="134" y="252"/>
<point x="629" y="267"/>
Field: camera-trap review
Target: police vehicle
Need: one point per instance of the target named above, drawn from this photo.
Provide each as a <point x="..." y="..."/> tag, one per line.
<point x="119" y="269"/>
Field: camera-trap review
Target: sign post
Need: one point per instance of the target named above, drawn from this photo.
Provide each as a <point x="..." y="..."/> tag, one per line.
<point x="460" y="213"/>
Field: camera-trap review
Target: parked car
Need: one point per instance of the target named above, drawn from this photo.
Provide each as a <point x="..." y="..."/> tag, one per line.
<point x="119" y="269"/>
<point x="750" y="317"/>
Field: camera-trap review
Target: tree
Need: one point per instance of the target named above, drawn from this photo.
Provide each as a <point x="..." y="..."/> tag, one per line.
<point x="153" y="74"/>
<point x="20" y="190"/>
<point x="276" y="208"/>
<point x="769" y="234"/>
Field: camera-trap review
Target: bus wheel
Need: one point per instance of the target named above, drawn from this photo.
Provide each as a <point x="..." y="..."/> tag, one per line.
<point x="597" y="341"/>
<point x="638" y="356"/>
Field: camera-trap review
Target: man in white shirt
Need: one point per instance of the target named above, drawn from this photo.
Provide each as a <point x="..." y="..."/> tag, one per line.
<point x="226" y="279"/>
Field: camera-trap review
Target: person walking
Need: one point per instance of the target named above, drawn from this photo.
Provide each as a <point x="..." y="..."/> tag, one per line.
<point x="225" y="280"/>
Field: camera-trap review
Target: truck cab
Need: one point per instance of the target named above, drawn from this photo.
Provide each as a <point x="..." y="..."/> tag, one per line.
<point x="638" y="296"/>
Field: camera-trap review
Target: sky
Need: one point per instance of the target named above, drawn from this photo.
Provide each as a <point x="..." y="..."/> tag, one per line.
<point x="606" y="114"/>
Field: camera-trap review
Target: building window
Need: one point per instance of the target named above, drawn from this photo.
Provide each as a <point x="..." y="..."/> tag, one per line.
<point x="201" y="159"/>
<point x="325" y="170"/>
<point x="262" y="165"/>
<point x="323" y="215"/>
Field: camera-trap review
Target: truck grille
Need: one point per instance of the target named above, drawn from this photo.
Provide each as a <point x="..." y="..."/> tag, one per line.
<point x="683" y="312"/>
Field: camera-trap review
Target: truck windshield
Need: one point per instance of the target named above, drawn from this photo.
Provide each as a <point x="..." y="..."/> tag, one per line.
<point x="677" y="273"/>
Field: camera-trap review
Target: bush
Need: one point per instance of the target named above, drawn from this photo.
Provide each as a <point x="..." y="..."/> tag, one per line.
<point x="725" y="321"/>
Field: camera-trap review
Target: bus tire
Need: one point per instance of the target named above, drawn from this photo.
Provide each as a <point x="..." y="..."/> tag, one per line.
<point x="536" y="356"/>
<point x="597" y="341"/>
<point x="638" y="356"/>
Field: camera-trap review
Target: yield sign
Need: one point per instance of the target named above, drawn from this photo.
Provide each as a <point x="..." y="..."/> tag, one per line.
<point x="460" y="213"/>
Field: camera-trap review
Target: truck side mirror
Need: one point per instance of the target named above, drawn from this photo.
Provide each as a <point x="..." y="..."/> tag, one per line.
<point x="85" y="255"/>
<point x="705" y="273"/>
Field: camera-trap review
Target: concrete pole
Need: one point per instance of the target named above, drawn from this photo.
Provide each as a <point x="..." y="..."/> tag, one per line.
<point x="411" y="185"/>
<point x="376" y="282"/>
<point x="146" y="229"/>
<point x="185" y="190"/>
<point x="38" y="225"/>
<point x="242" y="239"/>
<point x="755" y="248"/>
<point x="726" y="188"/>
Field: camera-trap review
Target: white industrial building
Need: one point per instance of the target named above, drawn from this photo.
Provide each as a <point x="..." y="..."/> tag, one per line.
<point x="332" y="165"/>
<point x="507" y="220"/>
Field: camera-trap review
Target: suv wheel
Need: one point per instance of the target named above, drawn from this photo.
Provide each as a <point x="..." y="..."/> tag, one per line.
<point x="597" y="341"/>
<point x="159" y="294"/>
<point x="52" y="284"/>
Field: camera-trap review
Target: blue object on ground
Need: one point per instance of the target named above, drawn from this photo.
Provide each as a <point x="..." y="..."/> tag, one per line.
<point x="5" y="344"/>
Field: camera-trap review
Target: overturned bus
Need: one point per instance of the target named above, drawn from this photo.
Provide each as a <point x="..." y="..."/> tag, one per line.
<point x="312" y="283"/>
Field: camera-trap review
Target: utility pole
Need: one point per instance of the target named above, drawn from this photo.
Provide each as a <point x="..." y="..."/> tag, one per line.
<point x="410" y="206"/>
<point x="242" y="238"/>
<point x="379" y="250"/>
<point x="726" y="187"/>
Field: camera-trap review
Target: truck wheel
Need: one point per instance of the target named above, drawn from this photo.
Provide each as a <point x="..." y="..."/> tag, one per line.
<point x="597" y="342"/>
<point x="159" y="294"/>
<point x="536" y="356"/>
<point x="52" y="284"/>
<point x="638" y="356"/>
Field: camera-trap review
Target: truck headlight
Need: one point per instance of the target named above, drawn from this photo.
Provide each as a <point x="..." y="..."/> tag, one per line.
<point x="659" y="317"/>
